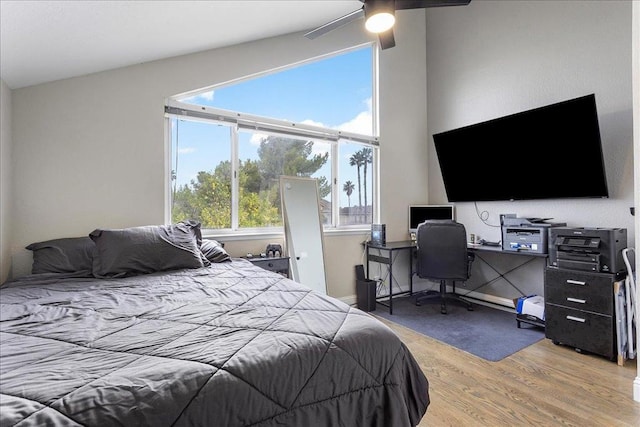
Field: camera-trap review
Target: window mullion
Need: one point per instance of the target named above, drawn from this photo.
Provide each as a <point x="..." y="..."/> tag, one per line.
<point x="235" y="179"/>
<point x="335" y="187"/>
<point x="375" y="194"/>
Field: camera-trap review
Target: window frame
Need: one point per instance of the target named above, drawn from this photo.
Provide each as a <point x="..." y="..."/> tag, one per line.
<point x="236" y="121"/>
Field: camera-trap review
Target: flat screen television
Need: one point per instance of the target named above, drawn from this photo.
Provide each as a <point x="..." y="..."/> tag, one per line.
<point x="420" y="213"/>
<point x="551" y="152"/>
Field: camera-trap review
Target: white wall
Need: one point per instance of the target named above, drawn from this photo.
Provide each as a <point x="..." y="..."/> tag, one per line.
<point x="5" y="180"/>
<point x="494" y="58"/>
<point x="635" y="46"/>
<point x="89" y="151"/>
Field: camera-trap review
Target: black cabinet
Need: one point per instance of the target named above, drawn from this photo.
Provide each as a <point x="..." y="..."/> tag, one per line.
<point x="580" y="311"/>
<point x="276" y="264"/>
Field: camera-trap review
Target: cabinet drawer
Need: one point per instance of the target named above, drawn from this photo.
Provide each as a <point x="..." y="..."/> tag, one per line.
<point x="587" y="331"/>
<point x="272" y="264"/>
<point x="582" y="291"/>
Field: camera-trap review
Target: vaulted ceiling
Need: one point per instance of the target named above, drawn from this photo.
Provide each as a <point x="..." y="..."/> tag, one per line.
<point x="43" y="41"/>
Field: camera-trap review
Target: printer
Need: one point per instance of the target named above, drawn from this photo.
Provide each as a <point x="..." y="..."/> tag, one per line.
<point x="526" y="234"/>
<point x="588" y="249"/>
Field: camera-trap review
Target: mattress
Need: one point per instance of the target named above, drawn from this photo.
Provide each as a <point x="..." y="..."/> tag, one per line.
<point x="226" y="345"/>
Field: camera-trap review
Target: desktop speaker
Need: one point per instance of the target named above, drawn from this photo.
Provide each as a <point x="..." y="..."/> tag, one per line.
<point x="378" y="234"/>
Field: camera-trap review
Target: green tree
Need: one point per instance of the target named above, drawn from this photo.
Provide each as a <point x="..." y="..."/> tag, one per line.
<point x="324" y="188"/>
<point x="258" y="206"/>
<point x="291" y="157"/>
<point x="208" y="197"/>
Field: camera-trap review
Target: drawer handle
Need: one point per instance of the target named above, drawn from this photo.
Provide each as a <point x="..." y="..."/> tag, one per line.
<point x="576" y="282"/>
<point x="576" y="319"/>
<point x="579" y="301"/>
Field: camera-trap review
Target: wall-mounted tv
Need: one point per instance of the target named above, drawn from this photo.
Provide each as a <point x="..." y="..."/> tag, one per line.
<point x="550" y="152"/>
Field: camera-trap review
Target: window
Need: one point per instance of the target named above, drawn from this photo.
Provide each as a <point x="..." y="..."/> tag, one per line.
<point x="230" y="145"/>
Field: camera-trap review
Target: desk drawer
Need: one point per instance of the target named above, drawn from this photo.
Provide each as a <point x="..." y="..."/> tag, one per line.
<point x="582" y="291"/>
<point x="583" y="330"/>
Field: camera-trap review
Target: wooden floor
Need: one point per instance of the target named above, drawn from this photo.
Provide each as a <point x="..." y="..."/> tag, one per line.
<point x="541" y="385"/>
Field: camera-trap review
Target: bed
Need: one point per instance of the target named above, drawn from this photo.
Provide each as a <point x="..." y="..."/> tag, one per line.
<point x="223" y="343"/>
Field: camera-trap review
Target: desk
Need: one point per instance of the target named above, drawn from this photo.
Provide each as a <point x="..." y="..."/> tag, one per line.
<point x="391" y="250"/>
<point x="477" y="249"/>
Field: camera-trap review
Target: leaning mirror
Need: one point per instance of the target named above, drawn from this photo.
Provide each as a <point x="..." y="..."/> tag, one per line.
<point x="303" y="231"/>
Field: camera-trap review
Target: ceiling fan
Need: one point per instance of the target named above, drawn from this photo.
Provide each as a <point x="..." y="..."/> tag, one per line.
<point x="380" y="16"/>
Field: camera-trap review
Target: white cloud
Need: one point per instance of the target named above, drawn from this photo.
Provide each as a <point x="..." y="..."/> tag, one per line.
<point x="361" y="123"/>
<point x="256" y="138"/>
<point x="186" y="150"/>
<point x="312" y="123"/>
<point x="206" y="96"/>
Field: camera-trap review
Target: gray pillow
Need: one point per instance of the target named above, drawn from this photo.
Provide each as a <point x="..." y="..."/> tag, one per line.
<point x="146" y="249"/>
<point x="67" y="255"/>
<point x="213" y="251"/>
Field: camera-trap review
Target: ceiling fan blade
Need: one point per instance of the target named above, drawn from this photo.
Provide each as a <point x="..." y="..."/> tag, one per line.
<point x="421" y="4"/>
<point x="336" y="23"/>
<point x="387" y="39"/>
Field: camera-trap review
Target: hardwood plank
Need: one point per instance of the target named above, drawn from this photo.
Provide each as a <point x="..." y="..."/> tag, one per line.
<point x="541" y="385"/>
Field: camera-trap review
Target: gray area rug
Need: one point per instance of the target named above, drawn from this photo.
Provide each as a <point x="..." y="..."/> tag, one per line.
<point x="486" y="332"/>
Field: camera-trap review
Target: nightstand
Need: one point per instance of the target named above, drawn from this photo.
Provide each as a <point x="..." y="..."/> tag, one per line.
<point x="275" y="264"/>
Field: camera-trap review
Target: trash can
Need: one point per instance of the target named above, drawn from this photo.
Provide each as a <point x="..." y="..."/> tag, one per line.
<point x="366" y="294"/>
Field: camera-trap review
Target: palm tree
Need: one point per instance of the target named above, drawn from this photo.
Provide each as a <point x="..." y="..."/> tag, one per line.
<point x="348" y="188"/>
<point x="367" y="158"/>
<point x="356" y="160"/>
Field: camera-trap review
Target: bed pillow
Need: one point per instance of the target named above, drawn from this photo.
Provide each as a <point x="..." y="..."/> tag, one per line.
<point x="213" y="251"/>
<point x="146" y="249"/>
<point x="67" y="255"/>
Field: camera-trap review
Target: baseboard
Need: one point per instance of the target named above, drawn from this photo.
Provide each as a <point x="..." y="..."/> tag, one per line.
<point x="483" y="299"/>
<point x="349" y="300"/>
<point x="636" y="389"/>
<point x="491" y="301"/>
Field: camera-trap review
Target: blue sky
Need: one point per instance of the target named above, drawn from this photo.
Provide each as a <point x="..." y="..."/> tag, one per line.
<point x="335" y="92"/>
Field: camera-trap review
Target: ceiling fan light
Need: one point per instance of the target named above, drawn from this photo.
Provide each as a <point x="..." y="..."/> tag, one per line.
<point x="380" y="22"/>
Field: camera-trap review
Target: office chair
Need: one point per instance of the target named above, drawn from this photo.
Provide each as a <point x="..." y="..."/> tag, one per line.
<point x="442" y="255"/>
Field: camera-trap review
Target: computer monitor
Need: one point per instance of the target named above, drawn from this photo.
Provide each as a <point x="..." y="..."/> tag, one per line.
<point x="420" y="213"/>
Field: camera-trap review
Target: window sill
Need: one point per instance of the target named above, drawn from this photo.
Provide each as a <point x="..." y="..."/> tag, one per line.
<point x="277" y="234"/>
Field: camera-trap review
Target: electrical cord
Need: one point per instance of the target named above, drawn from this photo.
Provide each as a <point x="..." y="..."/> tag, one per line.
<point x="484" y="216"/>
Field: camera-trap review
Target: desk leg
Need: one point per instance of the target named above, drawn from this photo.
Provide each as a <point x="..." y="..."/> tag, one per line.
<point x="410" y="272"/>
<point x="366" y="261"/>
<point x="390" y="282"/>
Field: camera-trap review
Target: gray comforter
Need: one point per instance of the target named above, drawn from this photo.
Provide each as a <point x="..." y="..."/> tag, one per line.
<point x="227" y="345"/>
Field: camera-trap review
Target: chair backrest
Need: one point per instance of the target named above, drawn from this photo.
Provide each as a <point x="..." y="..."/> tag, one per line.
<point x="442" y="250"/>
